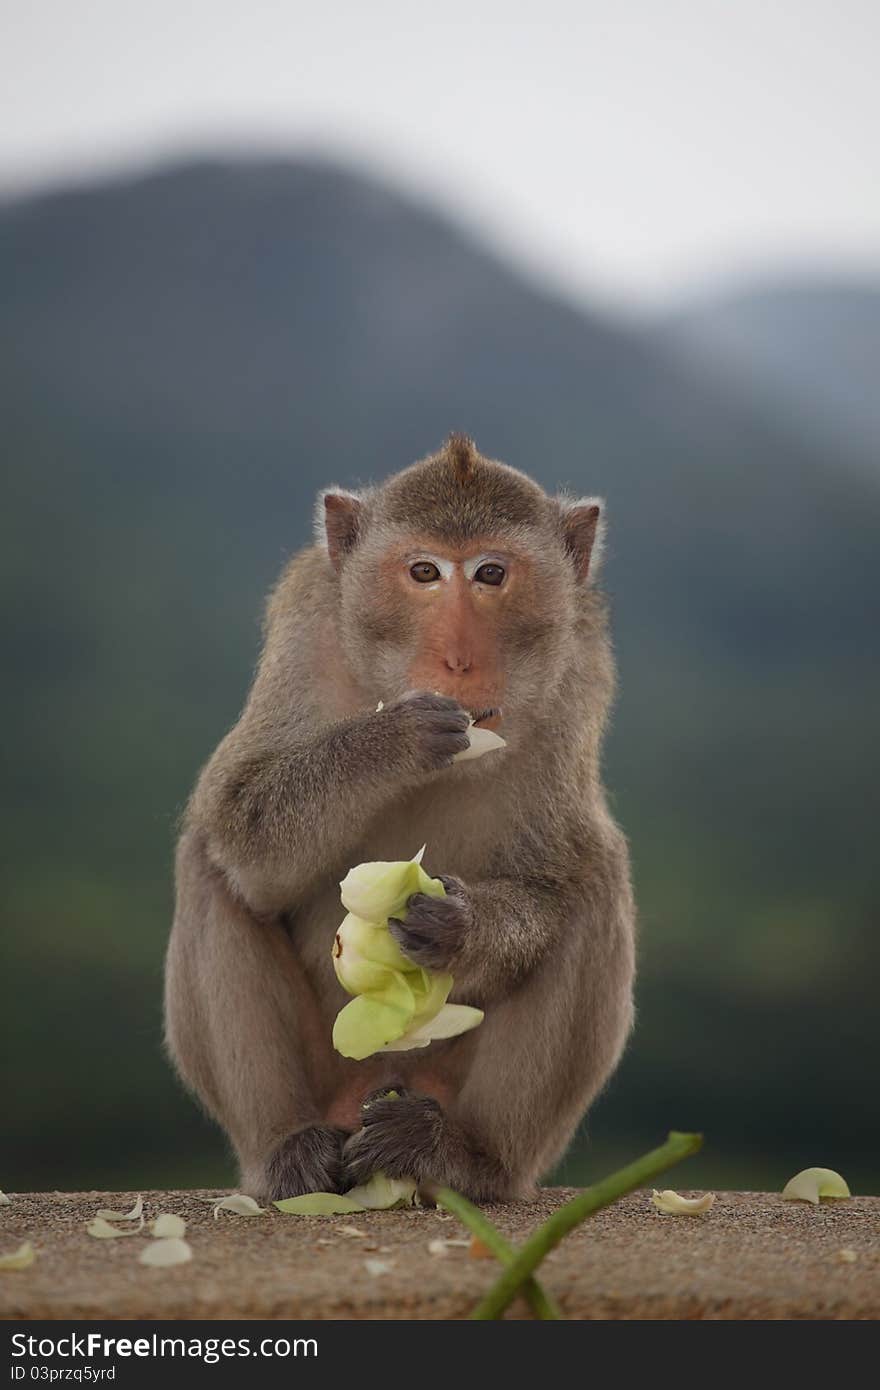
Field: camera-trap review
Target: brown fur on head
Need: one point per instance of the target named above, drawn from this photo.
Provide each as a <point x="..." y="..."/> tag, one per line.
<point x="458" y="521"/>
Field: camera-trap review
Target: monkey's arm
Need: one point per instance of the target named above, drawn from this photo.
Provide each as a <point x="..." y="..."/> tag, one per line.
<point x="280" y="807"/>
<point x="491" y="933"/>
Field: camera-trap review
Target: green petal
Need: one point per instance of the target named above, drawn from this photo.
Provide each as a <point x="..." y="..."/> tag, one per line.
<point x="425" y="884"/>
<point x="369" y="1022"/>
<point x="383" y="1194"/>
<point x="372" y="941"/>
<point x="812" y="1183"/>
<point x="382" y="889"/>
<point x="355" y="972"/>
<point x="430" y="993"/>
<point x="379" y="890"/>
<point x="319" y="1204"/>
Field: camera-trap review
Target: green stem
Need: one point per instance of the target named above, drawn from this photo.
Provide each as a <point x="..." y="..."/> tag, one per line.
<point x="502" y="1293"/>
<point x="540" y="1303"/>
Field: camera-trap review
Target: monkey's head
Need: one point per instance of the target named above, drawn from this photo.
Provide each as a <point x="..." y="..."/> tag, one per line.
<point x="461" y="575"/>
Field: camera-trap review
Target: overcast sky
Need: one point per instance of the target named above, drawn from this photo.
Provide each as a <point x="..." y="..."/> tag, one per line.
<point x="631" y="149"/>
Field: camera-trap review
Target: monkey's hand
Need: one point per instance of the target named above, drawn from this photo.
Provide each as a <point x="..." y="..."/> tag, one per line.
<point x="434" y="929"/>
<point x="399" y="1138"/>
<point x="428" y="730"/>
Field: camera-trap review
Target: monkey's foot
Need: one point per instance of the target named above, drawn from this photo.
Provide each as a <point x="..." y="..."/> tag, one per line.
<point x="308" y="1161"/>
<point x="399" y="1138"/>
<point x="393" y="1090"/>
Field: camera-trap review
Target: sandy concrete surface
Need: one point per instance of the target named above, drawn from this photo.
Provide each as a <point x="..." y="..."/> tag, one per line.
<point x="751" y="1256"/>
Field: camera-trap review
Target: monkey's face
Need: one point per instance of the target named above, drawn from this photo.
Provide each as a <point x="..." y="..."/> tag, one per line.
<point x="461" y="575"/>
<point x="484" y="622"/>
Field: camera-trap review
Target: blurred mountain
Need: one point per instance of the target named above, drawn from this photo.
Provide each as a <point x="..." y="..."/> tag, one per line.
<point x="808" y="349"/>
<point x="185" y="358"/>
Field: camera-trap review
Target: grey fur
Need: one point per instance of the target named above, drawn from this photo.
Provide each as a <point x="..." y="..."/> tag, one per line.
<point x="539" y="928"/>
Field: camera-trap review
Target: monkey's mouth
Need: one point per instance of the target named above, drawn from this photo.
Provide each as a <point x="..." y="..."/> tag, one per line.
<point x="487" y="718"/>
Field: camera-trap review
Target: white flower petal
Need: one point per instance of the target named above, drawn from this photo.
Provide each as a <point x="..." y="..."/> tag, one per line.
<point x="101" y="1229"/>
<point x="171" y="1250"/>
<point x="132" y="1215"/>
<point x="812" y="1183"/>
<point x="240" y="1204"/>
<point x="166" y="1224"/>
<point x="4" y="1200"/>
<point x="20" y="1258"/>
<point x="672" y="1204"/>
<point x="381" y="1193"/>
<point x="482" y="741"/>
<point x="448" y="1023"/>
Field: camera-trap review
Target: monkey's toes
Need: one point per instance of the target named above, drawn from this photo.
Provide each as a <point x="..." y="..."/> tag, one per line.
<point x="400" y="1092"/>
<point x="406" y="1112"/>
<point x="399" y="1138"/>
<point x="308" y="1161"/>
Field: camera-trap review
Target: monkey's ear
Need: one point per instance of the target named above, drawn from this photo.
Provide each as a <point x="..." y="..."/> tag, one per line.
<point x="583" y="533"/>
<point x="338" y="523"/>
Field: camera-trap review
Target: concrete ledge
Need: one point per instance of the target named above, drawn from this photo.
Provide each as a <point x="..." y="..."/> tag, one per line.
<point x="751" y="1256"/>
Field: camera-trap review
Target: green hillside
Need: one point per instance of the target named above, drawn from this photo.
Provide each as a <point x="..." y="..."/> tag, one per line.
<point x="184" y="359"/>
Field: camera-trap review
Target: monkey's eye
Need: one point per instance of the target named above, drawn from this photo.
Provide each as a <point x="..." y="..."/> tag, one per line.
<point x="423" y="572"/>
<point x="490" y="574"/>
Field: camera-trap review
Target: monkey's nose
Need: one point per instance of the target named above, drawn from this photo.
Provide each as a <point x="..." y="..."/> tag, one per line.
<point x="459" y="662"/>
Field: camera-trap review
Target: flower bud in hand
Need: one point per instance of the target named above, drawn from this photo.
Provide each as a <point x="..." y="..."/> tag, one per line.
<point x="397" y="1005"/>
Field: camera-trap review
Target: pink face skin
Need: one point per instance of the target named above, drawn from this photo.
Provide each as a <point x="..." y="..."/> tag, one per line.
<point x="455" y="600"/>
<point x="486" y="621"/>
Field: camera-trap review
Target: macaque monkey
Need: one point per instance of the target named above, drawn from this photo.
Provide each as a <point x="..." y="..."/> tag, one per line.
<point x="457" y="588"/>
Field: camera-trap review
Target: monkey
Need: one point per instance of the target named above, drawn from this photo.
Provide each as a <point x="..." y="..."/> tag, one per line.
<point x="458" y="589"/>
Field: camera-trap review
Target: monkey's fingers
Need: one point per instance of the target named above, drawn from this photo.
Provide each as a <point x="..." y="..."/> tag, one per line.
<point x="433" y="700"/>
<point x="432" y="728"/>
<point x="433" y="929"/>
<point x="429" y="951"/>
